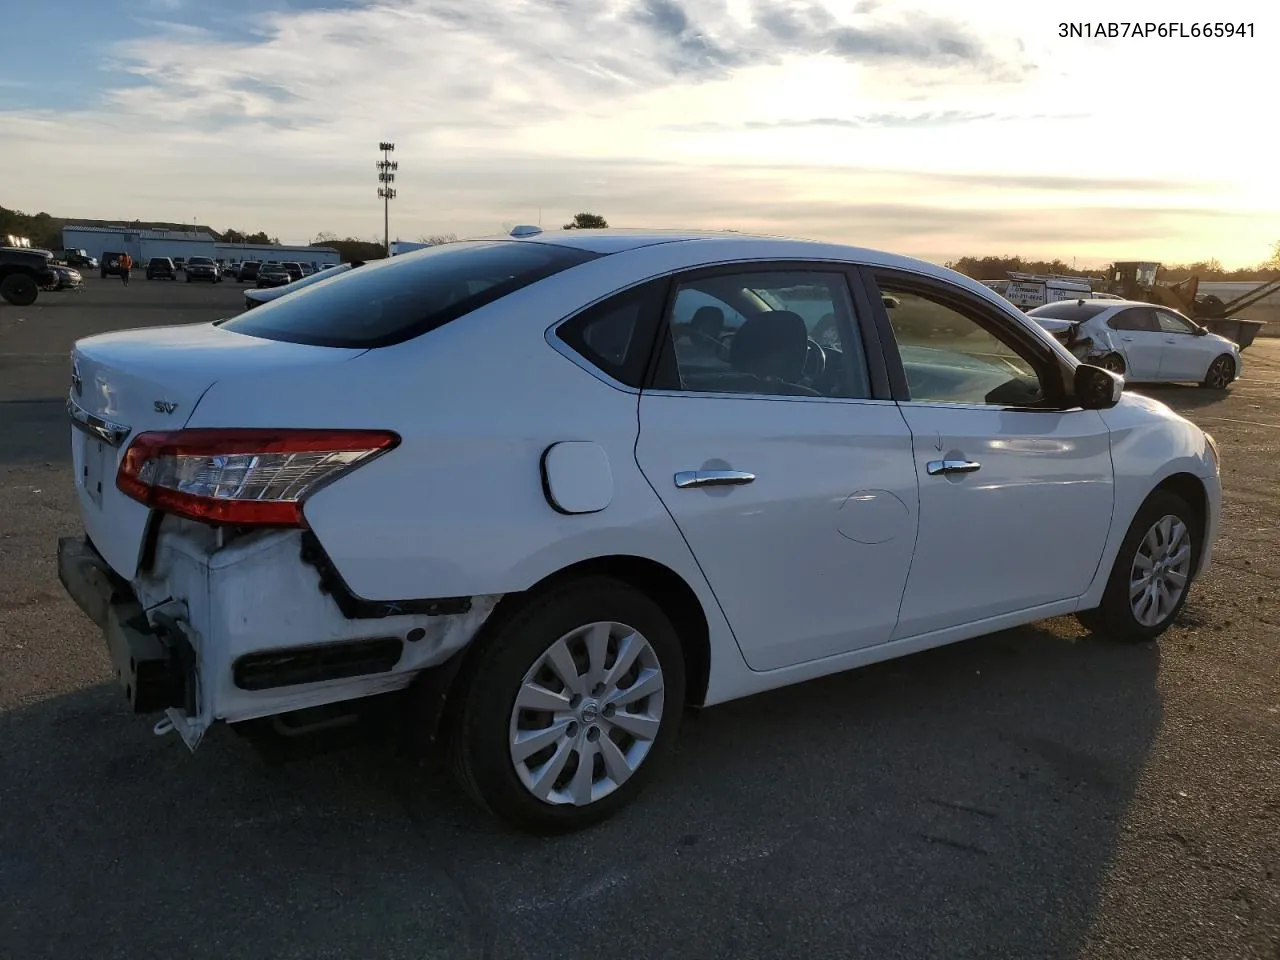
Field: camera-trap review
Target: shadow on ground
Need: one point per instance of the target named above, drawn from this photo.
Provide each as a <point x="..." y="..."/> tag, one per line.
<point x="959" y="803"/>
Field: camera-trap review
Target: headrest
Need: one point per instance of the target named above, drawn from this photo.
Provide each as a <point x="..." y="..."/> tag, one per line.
<point x="772" y="344"/>
<point x="708" y="320"/>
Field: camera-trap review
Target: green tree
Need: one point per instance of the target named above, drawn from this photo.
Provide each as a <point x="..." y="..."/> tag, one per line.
<point x="434" y="239"/>
<point x="586" y="221"/>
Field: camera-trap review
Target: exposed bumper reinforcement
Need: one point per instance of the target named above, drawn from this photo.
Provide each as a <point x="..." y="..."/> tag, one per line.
<point x="154" y="667"/>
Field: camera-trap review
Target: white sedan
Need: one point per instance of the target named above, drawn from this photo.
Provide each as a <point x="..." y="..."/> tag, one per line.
<point x="1145" y="343"/>
<point x="551" y="489"/>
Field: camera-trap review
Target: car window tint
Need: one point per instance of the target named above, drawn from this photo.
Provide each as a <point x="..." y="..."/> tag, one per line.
<point x="1169" y="323"/>
<point x="616" y="336"/>
<point x="766" y="333"/>
<point x="392" y="300"/>
<point x="1140" y="319"/>
<point x="949" y="357"/>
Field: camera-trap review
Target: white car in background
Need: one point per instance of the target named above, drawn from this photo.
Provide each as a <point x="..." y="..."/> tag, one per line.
<point x="509" y="482"/>
<point x="257" y="297"/>
<point x="1143" y="342"/>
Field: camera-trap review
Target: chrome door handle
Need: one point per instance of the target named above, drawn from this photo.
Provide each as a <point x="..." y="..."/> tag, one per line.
<point x="1127" y="339"/>
<point x="712" y="478"/>
<point x="940" y="468"/>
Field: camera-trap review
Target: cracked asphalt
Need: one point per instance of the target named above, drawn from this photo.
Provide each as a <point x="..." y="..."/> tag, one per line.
<point x="1038" y="793"/>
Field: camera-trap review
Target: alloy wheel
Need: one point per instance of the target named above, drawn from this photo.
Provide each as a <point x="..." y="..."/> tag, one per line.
<point x="1160" y="571"/>
<point x="1220" y="373"/>
<point x="586" y="714"/>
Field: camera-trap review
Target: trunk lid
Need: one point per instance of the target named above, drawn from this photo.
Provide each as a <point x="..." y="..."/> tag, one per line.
<point x="133" y="381"/>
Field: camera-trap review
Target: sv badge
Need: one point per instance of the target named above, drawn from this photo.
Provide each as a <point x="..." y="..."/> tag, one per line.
<point x="165" y="406"/>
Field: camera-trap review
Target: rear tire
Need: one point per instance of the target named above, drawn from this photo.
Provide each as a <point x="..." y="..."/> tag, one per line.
<point x="1220" y="374"/>
<point x="1113" y="362"/>
<point x="19" y="290"/>
<point x="1152" y="574"/>
<point x="587" y="627"/>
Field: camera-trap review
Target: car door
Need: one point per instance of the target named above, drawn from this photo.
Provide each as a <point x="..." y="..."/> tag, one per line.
<point x="1137" y="336"/>
<point x="786" y="466"/>
<point x="1186" y="355"/>
<point x="1016" y="493"/>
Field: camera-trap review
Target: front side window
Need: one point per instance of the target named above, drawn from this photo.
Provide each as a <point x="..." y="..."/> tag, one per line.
<point x="393" y="300"/>
<point x="1172" y="323"/>
<point x="950" y="357"/>
<point x="766" y="333"/>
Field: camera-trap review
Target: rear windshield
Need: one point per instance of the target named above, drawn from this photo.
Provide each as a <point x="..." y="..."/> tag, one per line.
<point x="392" y="300"/>
<point x="1073" y="310"/>
<point x="199" y="260"/>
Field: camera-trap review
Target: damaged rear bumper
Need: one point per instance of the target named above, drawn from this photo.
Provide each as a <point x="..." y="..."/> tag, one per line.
<point x="154" y="663"/>
<point x="219" y="629"/>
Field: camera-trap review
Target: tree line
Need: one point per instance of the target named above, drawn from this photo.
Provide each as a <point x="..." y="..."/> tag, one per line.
<point x="997" y="268"/>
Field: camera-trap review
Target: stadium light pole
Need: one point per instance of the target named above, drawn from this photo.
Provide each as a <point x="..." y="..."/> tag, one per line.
<point x="386" y="177"/>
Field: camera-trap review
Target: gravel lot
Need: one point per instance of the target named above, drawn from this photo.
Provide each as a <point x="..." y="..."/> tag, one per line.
<point x="1036" y="793"/>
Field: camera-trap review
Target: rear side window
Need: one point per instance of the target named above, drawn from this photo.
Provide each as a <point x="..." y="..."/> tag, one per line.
<point x="393" y="300"/>
<point x="1142" y="319"/>
<point x="1073" y="310"/>
<point x="616" y="336"/>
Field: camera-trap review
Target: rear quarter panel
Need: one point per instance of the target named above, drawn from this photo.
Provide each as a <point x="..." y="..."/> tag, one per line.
<point x="458" y="508"/>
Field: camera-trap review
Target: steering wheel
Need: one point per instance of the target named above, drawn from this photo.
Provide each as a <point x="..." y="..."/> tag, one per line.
<point x="815" y="360"/>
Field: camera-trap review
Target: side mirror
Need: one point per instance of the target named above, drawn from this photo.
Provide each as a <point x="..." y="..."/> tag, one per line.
<point x="1096" y="388"/>
<point x="1202" y="331"/>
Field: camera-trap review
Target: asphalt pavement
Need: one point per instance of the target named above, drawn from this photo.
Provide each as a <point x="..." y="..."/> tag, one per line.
<point x="1038" y="793"/>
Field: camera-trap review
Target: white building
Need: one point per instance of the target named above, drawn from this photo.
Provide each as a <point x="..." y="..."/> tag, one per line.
<point x="142" y="245"/>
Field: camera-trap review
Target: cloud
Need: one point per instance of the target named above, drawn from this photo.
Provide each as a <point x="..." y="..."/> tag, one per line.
<point x="535" y="55"/>
<point x="929" y="119"/>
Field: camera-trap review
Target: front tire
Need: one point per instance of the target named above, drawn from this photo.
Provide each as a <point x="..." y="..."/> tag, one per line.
<point x="568" y="707"/>
<point x="19" y="290"/>
<point x="1220" y="373"/>
<point x="1152" y="574"/>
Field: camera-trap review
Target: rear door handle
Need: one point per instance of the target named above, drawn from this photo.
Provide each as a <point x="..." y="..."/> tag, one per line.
<point x="712" y="478"/>
<point x="940" y="468"/>
<point x="1127" y="339"/>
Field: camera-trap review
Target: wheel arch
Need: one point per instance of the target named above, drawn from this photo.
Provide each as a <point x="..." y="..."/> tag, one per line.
<point x="1191" y="489"/>
<point x="434" y="688"/>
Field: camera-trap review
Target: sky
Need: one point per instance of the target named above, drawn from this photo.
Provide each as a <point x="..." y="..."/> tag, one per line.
<point x="924" y="127"/>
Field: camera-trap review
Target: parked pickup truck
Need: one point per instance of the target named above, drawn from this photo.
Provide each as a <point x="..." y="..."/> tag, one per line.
<point x="23" y="271"/>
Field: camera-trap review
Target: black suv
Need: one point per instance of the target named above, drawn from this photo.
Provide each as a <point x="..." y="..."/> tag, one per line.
<point x="203" y="268"/>
<point x="248" y="272"/>
<point x="161" y="268"/>
<point x="273" y="275"/>
<point x="23" y="272"/>
<point x="110" y="264"/>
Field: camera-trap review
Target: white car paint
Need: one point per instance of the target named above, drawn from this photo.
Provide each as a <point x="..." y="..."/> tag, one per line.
<point x="1176" y="349"/>
<point x="844" y="551"/>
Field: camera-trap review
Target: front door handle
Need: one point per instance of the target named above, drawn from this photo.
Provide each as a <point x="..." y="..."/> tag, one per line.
<point x="941" y="468"/>
<point x="1127" y="339"/>
<point x="712" y="478"/>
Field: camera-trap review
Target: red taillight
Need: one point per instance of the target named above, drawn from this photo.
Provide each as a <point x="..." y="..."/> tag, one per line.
<point x="244" y="477"/>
